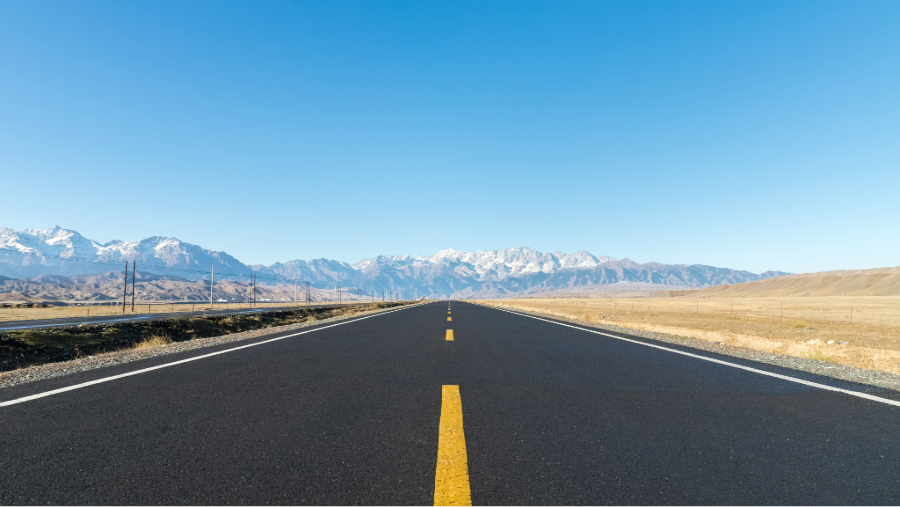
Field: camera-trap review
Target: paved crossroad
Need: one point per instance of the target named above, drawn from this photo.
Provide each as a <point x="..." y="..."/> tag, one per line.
<point x="405" y="407"/>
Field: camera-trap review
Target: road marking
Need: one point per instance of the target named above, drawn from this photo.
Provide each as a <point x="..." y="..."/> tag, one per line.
<point x="449" y="335"/>
<point x="451" y="481"/>
<point x="145" y="370"/>
<point x="718" y="361"/>
<point x="449" y="320"/>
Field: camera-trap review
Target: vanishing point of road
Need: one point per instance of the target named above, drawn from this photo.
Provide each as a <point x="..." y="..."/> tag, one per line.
<point x="448" y="404"/>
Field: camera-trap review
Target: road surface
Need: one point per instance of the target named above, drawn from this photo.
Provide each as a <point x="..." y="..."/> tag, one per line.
<point x="138" y="317"/>
<point x="386" y="409"/>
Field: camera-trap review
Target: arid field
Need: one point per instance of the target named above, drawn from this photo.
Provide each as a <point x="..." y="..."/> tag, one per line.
<point x="811" y="327"/>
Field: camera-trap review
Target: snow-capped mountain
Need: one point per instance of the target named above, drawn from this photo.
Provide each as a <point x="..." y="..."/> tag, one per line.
<point x="60" y="251"/>
<point x="448" y="273"/>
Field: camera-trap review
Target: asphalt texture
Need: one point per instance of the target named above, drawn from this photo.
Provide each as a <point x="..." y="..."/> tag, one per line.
<point x="349" y="415"/>
<point x="140" y="317"/>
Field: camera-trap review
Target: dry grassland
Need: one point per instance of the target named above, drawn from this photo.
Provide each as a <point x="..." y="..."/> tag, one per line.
<point x="811" y="327"/>
<point x="870" y="282"/>
<point x="62" y="312"/>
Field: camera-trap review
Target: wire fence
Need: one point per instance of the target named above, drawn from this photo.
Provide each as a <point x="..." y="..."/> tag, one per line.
<point x="864" y="310"/>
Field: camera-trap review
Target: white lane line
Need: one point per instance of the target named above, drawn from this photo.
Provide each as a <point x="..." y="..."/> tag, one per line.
<point x="145" y="370"/>
<point x="718" y="361"/>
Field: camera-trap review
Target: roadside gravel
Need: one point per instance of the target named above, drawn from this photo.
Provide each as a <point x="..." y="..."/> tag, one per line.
<point x="52" y="370"/>
<point x="880" y="379"/>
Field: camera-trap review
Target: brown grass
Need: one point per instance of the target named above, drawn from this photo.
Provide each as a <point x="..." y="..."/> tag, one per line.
<point x="813" y="327"/>
<point x="154" y="341"/>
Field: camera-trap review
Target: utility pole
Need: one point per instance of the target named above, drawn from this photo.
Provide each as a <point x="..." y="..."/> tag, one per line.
<point x="125" y="290"/>
<point x="295" y="293"/>
<point x="212" y="281"/>
<point x="133" y="272"/>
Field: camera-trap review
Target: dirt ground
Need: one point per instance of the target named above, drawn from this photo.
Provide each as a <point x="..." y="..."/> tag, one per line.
<point x="810" y="327"/>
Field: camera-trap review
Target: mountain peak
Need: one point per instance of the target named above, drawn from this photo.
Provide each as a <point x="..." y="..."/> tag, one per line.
<point x="448" y="273"/>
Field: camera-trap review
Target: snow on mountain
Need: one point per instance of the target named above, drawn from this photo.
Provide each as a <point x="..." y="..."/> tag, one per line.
<point x="448" y="273"/>
<point x="34" y="252"/>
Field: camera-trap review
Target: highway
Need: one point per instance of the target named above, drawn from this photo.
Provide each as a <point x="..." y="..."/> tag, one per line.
<point x="138" y="317"/>
<point x="393" y="408"/>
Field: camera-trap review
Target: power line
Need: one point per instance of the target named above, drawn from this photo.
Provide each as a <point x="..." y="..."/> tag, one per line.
<point x="83" y="260"/>
<point x="150" y="266"/>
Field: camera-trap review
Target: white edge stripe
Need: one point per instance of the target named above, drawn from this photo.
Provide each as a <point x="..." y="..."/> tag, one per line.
<point x="719" y="361"/>
<point x="145" y="370"/>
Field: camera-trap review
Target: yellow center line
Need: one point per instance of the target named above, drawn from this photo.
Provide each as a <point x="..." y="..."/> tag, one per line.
<point x="451" y="482"/>
<point x="449" y="335"/>
<point x="448" y="319"/>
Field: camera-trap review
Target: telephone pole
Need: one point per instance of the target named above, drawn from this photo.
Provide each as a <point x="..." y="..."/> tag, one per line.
<point x="133" y="272"/>
<point x="125" y="290"/>
<point x="212" y="281"/>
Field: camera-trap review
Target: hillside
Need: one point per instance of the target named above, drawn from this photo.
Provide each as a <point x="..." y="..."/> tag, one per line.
<point x="35" y="253"/>
<point x="869" y="282"/>
<point x="107" y="288"/>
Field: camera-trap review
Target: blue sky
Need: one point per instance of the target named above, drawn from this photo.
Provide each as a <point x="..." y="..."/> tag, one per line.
<point x="754" y="135"/>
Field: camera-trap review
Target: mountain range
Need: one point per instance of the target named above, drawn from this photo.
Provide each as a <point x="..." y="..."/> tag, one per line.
<point x="448" y="273"/>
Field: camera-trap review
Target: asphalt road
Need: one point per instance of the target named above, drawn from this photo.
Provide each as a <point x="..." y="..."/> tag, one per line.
<point x="349" y="414"/>
<point x="137" y="317"/>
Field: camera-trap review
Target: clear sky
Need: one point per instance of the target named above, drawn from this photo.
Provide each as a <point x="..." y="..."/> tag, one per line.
<point x="751" y="135"/>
